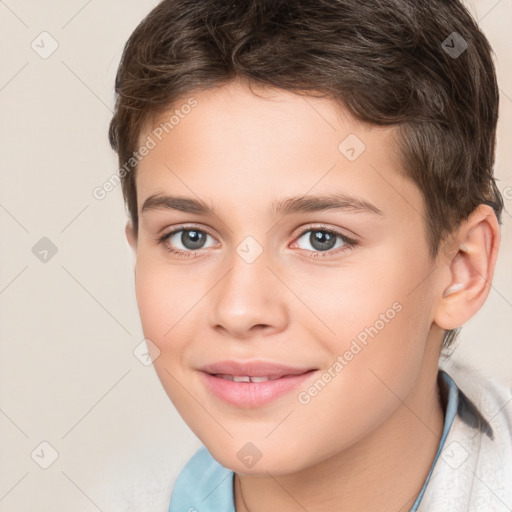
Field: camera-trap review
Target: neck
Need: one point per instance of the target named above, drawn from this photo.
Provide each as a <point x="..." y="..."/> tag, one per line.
<point x="383" y="471"/>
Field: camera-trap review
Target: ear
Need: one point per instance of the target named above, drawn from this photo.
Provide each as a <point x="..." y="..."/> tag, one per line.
<point x="471" y="255"/>
<point x="131" y="236"/>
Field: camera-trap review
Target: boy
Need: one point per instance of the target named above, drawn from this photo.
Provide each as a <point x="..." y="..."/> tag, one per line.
<point x="314" y="213"/>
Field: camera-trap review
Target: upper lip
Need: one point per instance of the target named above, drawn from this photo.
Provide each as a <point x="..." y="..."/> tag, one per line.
<point x="252" y="369"/>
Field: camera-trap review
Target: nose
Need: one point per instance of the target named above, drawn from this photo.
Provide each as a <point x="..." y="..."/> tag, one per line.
<point x="249" y="300"/>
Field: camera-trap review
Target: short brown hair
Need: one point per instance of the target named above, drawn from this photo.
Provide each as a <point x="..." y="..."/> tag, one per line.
<point x="421" y="65"/>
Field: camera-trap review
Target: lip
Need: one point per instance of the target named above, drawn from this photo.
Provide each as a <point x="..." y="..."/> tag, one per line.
<point x="250" y="395"/>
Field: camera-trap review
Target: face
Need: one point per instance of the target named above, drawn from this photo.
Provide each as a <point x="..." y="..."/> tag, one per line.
<point x="278" y="239"/>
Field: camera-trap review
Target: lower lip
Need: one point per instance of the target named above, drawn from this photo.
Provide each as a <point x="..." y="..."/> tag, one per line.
<point x="250" y="395"/>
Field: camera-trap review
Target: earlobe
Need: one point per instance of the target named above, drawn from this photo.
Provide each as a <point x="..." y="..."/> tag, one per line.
<point x="470" y="270"/>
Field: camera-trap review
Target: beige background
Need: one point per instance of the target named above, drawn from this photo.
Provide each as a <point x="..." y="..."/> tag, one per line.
<point x="69" y="326"/>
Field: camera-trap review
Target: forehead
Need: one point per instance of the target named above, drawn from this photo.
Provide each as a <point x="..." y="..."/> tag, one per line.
<point x="257" y="110"/>
<point x="236" y="143"/>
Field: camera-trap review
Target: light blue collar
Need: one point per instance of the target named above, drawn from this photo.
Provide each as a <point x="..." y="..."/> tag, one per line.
<point x="203" y="486"/>
<point x="446" y="387"/>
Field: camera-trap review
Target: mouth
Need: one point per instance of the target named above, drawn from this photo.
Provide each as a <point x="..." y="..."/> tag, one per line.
<point x="252" y="385"/>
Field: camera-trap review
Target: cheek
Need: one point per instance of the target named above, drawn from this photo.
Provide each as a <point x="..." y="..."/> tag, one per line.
<point x="166" y="301"/>
<point x="165" y="297"/>
<point x="154" y="303"/>
<point x="344" y="302"/>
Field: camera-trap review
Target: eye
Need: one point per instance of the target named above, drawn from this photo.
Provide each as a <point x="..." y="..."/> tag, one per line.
<point x="325" y="240"/>
<point x="191" y="239"/>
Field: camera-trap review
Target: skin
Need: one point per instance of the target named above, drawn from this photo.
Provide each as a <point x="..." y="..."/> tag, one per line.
<point x="368" y="439"/>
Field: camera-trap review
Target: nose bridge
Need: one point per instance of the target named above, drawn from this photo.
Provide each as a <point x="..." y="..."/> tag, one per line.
<point x="246" y="285"/>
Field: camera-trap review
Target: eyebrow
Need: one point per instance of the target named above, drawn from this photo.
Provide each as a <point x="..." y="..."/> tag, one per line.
<point x="304" y="204"/>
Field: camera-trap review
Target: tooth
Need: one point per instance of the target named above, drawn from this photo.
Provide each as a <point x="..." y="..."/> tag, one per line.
<point x="241" y="378"/>
<point x="245" y="378"/>
<point x="259" y="379"/>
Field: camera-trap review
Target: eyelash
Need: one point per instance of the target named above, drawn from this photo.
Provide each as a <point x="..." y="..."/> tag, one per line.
<point x="350" y="243"/>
